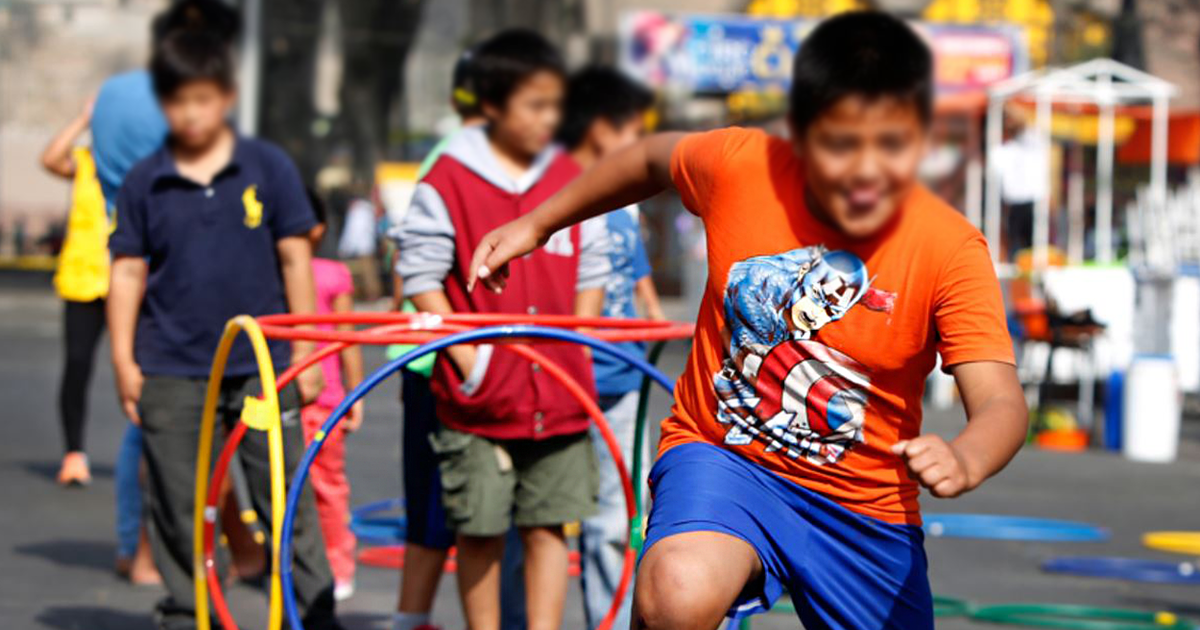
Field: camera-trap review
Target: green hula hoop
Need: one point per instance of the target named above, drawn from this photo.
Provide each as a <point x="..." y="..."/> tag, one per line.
<point x="1070" y="617"/>
<point x="637" y="529"/>
<point x="943" y="606"/>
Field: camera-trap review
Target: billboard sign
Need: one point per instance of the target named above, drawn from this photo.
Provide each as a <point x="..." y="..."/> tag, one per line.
<point x="733" y="53"/>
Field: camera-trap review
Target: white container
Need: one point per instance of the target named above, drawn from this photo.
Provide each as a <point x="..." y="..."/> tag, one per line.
<point x="1152" y="409"/>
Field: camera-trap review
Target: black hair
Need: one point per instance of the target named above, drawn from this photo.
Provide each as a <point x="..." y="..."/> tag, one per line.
<point x="464" y="94"/>
<point x="185" y="56"/>
<point x="504" y="61"/>
<point x="213" y="16"/>
<point x="599" y="93"/>
<point x="320" y="211"/>
<point x="862" y="53"/>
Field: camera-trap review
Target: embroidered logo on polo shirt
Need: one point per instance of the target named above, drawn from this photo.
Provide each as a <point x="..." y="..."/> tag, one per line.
<point x="253" y="207"/>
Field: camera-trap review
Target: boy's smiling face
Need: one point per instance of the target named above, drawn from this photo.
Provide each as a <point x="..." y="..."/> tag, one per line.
<point x="861" y="157"/>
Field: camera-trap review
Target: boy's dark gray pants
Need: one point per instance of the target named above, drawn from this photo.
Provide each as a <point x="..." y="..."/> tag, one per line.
<point x="170" y="411"/>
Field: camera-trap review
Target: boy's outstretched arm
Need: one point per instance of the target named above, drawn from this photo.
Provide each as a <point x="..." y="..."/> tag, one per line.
<point x="627" y="176"/>
<point x="997" y="422"/>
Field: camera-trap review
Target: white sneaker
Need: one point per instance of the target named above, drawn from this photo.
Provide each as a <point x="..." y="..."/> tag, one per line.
<point x="343" y="591"/>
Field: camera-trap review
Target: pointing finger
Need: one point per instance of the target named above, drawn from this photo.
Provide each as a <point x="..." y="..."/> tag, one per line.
<point x="477" y="269"/>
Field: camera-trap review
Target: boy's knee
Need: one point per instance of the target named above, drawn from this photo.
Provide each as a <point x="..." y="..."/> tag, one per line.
<point x="672" y="594"/>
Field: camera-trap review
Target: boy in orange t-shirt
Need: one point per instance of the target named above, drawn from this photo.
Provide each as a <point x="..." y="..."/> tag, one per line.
<point x="793" y="454"/>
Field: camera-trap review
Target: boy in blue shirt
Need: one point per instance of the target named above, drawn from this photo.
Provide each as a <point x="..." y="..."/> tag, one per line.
<point x="605" y="113"/>
<point x="210" y="226"/>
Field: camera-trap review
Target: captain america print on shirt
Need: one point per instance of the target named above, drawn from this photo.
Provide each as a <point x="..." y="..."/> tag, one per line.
<point x="779" y="386"/>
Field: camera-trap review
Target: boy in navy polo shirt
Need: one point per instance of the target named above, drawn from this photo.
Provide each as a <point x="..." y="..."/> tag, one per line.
<point x="211" y="226"/>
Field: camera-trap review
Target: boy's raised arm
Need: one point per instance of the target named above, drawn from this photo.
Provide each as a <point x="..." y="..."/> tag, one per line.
<point x="627" y="176"/>
<point x="57" y="157"/>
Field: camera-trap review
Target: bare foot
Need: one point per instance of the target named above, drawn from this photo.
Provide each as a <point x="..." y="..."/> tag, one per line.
<point x="142" y="571"/>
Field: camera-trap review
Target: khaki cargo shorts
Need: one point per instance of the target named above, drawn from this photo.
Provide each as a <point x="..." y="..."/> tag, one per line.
<point x="490" y="485"/>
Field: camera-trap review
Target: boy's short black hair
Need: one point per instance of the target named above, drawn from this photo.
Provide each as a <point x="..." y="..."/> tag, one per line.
<point x="215" y="16"/>
<point x="465" y="94"/>
<point x="862" y="53"/>
<point x="185" y="56"/>
<point x="596" y="93"/>
<point x="510" y="57"/>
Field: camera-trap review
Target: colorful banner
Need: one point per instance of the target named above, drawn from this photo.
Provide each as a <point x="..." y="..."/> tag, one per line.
<point x="730" y="53"/>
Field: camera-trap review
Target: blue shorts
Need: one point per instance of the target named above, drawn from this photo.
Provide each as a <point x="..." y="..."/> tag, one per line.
<point x="427" y="524"/>
<point x="842" y="569"/>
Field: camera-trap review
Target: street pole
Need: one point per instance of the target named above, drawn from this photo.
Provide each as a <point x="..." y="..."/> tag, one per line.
<point x="251" y="67"/>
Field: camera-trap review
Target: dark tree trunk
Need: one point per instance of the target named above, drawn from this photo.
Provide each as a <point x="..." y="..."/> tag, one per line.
<point x="555" y="19"/>
<point x="1127" y="37"/>
<point x="376" y="36"/>
<point x="289" y="53"/>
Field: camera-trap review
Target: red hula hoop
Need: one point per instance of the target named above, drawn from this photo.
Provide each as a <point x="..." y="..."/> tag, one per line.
<point x="409" y="328"/>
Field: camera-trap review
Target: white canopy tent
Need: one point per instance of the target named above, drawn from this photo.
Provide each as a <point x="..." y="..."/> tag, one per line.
<point x="1107" y="84"/>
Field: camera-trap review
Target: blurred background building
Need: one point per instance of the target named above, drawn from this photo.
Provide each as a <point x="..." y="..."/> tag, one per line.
<point x="345" y="85"/>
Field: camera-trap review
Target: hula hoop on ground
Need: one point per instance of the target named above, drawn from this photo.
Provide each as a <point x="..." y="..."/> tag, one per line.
<point x="1132" y="569"/>
<point x="1175" y="542"/>
<point x="943" y="606"/>
<point x="471" y="336"/>
<point x="1018" y="528"/>
<point x="1072" y="617"/>
<point x="367" y="510"/>
<point x="370" y="526"/>
<point x="261" y="414"/>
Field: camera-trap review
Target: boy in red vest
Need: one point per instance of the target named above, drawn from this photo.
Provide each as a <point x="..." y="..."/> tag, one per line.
<point x="514" y="447"/>
<point x="793" y="457"/>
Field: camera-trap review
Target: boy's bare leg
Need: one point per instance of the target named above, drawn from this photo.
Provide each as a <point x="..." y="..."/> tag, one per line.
<point x="546" y="577"/>
<point x="688" y="581"/>
<point x="419" y="580"/>
<point x="479" y="580"/>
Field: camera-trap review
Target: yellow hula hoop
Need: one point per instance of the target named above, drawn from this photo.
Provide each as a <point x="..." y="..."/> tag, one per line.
<point x="260" y="415"/>
<point x="1174" y="542"/>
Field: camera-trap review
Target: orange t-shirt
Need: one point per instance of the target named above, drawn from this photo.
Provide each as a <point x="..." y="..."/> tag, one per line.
<point x="812" y="349"/>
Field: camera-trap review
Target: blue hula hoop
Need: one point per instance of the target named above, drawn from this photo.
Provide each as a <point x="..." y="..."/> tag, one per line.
<point x="1132" y="569"/>
<point x="365" y="510"/>
<point x="378" y="376"/>
<point x="1018" y="528"/>
<point x="379" y="530"/>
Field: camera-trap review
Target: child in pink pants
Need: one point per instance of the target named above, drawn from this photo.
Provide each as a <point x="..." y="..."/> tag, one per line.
<point x="342" y="371"/>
